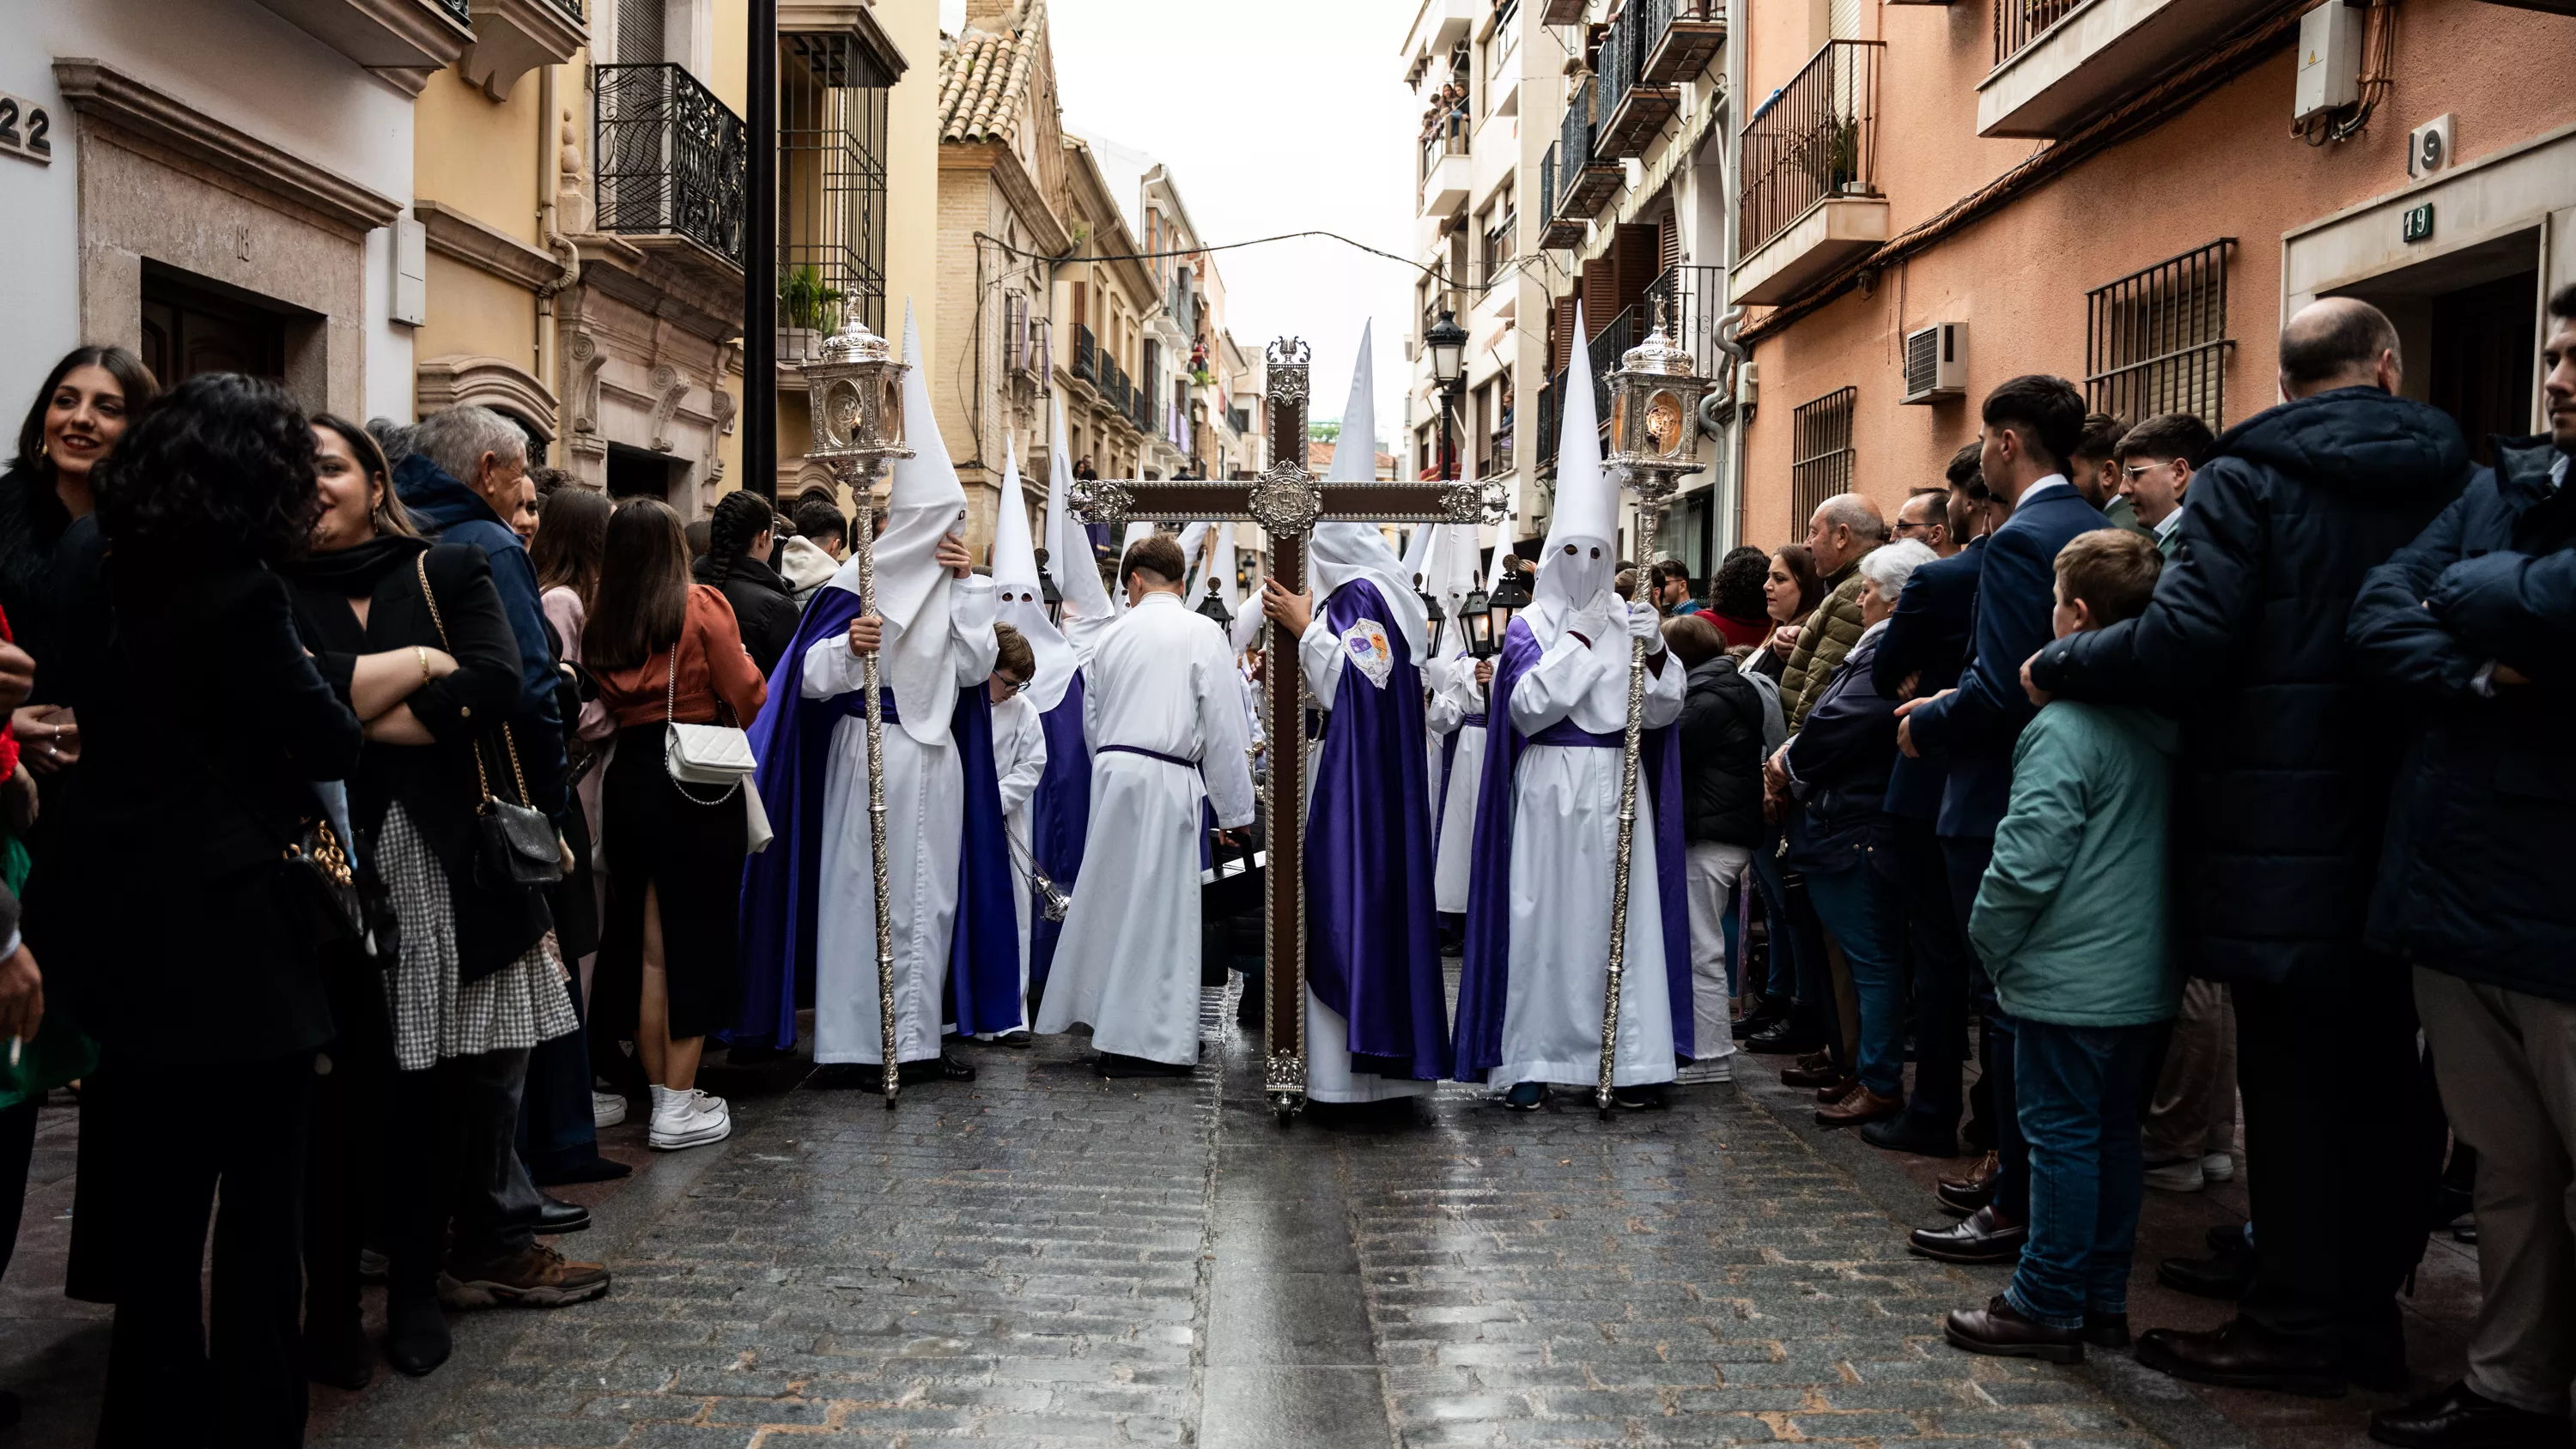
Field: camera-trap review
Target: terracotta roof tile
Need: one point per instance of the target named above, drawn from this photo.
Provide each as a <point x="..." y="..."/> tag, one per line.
<point x="982" y="76"/>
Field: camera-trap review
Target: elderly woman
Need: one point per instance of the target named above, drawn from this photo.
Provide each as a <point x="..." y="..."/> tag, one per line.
<point x="1836" y="766"/>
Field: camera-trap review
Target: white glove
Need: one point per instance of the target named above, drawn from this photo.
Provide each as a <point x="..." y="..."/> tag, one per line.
<point x="1592" y="624"/>
<point x="1644" y="623"/>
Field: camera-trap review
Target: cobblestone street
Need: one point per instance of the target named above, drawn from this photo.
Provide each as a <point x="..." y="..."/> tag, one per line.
<point x="1043" y="1258"/>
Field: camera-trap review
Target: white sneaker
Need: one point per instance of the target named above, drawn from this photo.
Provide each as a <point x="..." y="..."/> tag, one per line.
<point x="687" y="1119"/>
<point x="2180" y="1175"/>
<point x="607" y="1109"/>
<point x="1713" y="1069"/>
<point x="2218" y="1167"/>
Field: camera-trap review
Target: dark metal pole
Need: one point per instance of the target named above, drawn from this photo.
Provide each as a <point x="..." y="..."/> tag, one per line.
<point x="760" y="259"/>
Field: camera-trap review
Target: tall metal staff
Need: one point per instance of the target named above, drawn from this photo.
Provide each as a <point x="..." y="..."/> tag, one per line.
<point x="1654" y="438"/>
<point x="855" y="392"/>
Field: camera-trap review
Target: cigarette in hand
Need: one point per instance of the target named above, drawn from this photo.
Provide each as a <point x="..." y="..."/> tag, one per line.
<point x="13" y="1053"/>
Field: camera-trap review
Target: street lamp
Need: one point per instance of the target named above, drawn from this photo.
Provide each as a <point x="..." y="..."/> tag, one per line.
<point x="1213" y="606"/>
<point x="1448" y="343"/>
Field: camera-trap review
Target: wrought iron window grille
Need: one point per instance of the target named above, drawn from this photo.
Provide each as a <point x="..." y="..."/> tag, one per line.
<point x="2155" y="341"/>
<point x="670" y="156"/>
<point x="1820" y="452"/>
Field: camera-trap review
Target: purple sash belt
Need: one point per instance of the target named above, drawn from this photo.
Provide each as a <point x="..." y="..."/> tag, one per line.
<point x="1148" y="754"/>
<point x="1567" y="732"/>
<point x="855" y="705"/>
<point x="1473" y="721"/>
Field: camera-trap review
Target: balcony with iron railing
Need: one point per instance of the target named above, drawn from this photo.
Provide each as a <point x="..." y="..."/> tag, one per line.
<point x="1687" y="302"/>
<point x="1086" y="355"/>
<point x="1584" y="180"/>
<point x="1809" y="199"/>
<point x="1447" y="170"/>
<point x="1681" y="37"/>
<point x="1548" y="408"/>
<point x="2059" y="63"/>
<point x="1605" y="347"/>
<point x="1631" y="108"/>
<point x="670" y="157"/>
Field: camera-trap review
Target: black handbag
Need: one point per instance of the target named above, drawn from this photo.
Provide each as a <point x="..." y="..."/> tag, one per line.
<point x="514" y="844"/>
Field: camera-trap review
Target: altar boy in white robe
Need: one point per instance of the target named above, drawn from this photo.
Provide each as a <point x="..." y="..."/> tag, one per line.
<point x="934" y="626"/>
<point x="1020" y="762"/>
<point x="1164" y="717"/>
<point x="1537" y="960"/>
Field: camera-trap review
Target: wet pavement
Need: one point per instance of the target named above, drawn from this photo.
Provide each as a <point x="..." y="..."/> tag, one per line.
<point x="1045" y="1258"/>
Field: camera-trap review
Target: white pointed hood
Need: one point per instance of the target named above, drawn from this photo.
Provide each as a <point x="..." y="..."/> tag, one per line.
<point x="1341" y="552"/>
<point x="1068" y="544"/>
<point x="1246" y="633"/>
<point x="912" y="590"/>
<point x="1450" y="576"/>
<point x="1586" y="516"/>
<point x="1021" y="603"/>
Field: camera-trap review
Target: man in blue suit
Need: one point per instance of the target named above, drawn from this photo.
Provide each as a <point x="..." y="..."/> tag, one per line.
<point x="1925" y="646"/>
<point x="2032" y="423"/>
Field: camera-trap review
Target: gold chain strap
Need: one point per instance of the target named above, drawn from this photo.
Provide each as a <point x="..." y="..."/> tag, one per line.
<point x="420" y="566"/>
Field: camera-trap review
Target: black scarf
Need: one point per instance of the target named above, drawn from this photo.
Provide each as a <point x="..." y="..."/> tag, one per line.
<point x="354" y="571"/>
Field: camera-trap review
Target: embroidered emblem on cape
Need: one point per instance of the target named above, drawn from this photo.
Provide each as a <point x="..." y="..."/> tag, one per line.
<point x="1370" y="654"/>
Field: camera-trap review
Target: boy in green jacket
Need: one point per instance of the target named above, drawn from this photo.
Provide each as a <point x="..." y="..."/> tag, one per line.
<point x="2070" y="922"/>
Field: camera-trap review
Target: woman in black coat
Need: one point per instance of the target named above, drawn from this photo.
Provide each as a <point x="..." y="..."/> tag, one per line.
<point x="1721" y="749"/>
<point x="413" y="636"/>
<point x="763" y="606"/>
<point x="203" y="745"/>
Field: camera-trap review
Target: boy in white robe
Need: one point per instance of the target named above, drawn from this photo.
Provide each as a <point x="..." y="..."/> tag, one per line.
<point x="1020" y="760"/>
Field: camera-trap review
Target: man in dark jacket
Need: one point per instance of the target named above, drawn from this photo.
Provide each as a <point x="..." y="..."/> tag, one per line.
<point x="2031" y="425"/>
<point x="2278" y="806"/>
<point x="1721" y="748"/>
<point x="1920" y="655"/>
<point x="2476" y="622"/>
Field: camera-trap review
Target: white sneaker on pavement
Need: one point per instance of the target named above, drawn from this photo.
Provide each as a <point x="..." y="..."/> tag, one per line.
<point x="687" y="1119"/>
<point x="2180" y="1175"/>
<point x="607" y="1109"/>
<point x="2218" y="1167"/>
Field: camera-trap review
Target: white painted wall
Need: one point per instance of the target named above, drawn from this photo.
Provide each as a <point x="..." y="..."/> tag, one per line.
<point x="234" y="60"/>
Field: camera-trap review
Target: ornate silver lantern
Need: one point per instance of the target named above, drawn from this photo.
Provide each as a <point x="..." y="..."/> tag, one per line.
<point x="1654" y="408"/>
<point x="855" y="390"/>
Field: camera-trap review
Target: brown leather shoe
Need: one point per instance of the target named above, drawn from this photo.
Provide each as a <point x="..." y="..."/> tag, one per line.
<point x="2000" y="1329"/>
<point x="1863" y="1105"/>
<point x="535" y="1277"/>
<point x="1816" y="1069"/>
<point x="1834" y="1092"/>
<point x="1964" y="1195"/>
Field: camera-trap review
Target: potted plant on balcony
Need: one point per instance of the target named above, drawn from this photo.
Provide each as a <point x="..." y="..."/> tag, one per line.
<point x="807" y="309"/>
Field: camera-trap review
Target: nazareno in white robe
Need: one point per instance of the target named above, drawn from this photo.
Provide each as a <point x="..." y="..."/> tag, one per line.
<point x="1329" y="1077"/>
<point x="1020" y="759"/>
<point x="1565" y="837"/>
<point x="1454" y="816"/>
<point x="1161" y="678"/>
<point x="925" y="794"/>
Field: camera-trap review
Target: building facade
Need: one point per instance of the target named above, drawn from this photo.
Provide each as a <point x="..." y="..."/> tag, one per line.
<point x="1568" y="151"/>
<point x="2133" y="196"/>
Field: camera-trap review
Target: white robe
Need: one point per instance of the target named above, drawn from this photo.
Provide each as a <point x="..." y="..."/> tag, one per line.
<point x="1020" y="759"/>
<point x="1329" y="1077"/>
<point x="1457" y="818"/>
<point x="1564" y="839"/>
<point x="1162" y="679"/>
<point x="925" y="793"/>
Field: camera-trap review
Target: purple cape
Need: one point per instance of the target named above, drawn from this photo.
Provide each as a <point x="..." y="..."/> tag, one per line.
<point x="1484" y="983"/>
<point x="1059" y="818"/>
<point x="791" y="746"/>
<point x="1374" y="953"/>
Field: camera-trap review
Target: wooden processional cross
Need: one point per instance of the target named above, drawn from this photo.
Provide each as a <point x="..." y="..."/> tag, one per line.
<point x="1287" y="501"/>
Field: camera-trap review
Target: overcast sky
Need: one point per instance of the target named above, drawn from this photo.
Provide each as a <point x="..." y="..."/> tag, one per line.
<point x="1273" y="118"/>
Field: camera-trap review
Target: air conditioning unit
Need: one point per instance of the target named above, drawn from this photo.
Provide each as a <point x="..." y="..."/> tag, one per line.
<point x="2428" y="148"/>
<point x="1936" y="362"/>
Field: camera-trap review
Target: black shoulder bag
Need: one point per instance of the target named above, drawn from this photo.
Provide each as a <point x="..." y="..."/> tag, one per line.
<point x="514" y="844"/>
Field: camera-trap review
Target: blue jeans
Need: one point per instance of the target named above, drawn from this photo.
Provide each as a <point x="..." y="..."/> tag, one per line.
<point x="2080" y="1089"/>
<point x="1865" y="910"/>
<point x="1798" y="972"/>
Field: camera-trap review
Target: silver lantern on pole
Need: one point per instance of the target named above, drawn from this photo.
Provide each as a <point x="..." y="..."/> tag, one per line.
<point x="1654" y="439"/>
<point x="854" y="388"/>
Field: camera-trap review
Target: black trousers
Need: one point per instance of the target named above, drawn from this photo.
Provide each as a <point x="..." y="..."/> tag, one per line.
<point x="454" y="1159"/>
<point x="2343" y="1132"/>
<point x="17" y="1149"/>
<point x="344" y="1186"/>
<point x="1966" y="860"/>
<point x="1940" y="977"/>
<point x="173" y="1378"/>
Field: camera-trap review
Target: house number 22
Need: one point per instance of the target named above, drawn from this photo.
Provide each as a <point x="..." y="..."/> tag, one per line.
<point x="26" y="129"/>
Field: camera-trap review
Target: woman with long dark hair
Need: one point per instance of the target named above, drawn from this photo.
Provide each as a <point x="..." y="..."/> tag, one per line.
<point x="204" y="740"/>
<point x="737" y="562"/>
<point x="664" y="650"/>
<point x="572" y="538"/>
<point x="1735" y="602"/>
<point x="1792" y="1015"/>
<point x="414" y="638"/>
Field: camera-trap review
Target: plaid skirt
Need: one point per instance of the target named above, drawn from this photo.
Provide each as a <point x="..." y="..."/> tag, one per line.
<point x="434" y="1015"/>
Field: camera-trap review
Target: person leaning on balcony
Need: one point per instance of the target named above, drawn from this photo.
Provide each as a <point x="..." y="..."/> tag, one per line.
<point x="1845" y="527"/>
<point x="2476" y="622"/>
<point x="2283" y="786"/>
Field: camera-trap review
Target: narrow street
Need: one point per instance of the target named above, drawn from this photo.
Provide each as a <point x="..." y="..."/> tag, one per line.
<point x="1043" y="1258"/>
